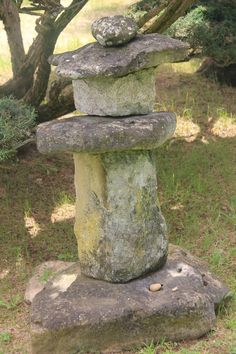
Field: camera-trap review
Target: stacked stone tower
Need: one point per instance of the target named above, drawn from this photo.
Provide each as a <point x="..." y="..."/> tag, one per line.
<point x="120" y="230"/>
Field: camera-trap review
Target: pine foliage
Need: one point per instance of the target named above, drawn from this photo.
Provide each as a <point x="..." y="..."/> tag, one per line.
<point x="210" y="29"/>
<point x="16" y="123"/>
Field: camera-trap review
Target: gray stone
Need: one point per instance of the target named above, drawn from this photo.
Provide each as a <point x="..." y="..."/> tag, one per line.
<point x="76" y="314"/>
<point x="120" y="230"/>
<point x="42" y="274"/>
<point x="103" y="134"/>
<point x="114" y="30"/>
<point x="108" y="96"/>
<point x="145" y="51"/>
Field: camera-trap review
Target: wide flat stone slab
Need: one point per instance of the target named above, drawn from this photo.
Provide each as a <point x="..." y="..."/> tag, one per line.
<point x="76" y="314"/>
<point x="145" y="51"/>
<point x="102" y="134"/>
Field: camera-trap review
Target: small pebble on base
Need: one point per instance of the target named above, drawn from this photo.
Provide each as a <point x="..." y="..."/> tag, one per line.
<point x="175" y="289"/>
<point x="155" y="287"/>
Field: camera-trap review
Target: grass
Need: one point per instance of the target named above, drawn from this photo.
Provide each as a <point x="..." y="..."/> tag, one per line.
<point x="197" y="189"/>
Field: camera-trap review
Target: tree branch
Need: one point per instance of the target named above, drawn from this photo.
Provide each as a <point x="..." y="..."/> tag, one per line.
<point x="154" y="12"/>
<point x="68" y="14"/>
<point x="173" y="11"/>
<point x="144" y="10"/>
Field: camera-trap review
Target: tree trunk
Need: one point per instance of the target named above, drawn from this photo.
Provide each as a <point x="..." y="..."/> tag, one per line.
<point x="34" y="64"/>
<point x="31" y="80"/>
<point x="11" y="20"/>
<point x="222" y="74"/>
<point x="60" y="101"/>
<point x="37" y="92"/>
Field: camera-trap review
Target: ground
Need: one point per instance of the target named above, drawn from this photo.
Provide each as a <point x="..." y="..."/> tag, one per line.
<point x="197" y="189"/>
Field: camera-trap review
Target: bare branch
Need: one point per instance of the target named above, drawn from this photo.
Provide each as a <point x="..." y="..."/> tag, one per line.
<point x="33" y="8"/>
<point x="144" y="10"/>
<point x="172" y="12"/>
<point x="68" y="14"/>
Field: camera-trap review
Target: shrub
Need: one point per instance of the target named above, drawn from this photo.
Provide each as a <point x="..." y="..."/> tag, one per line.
<point x="210" y="29"/>
<point x="16" y="123"/>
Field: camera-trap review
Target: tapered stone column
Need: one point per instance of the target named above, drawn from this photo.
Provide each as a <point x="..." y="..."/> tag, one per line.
<point x="120" y="230"/>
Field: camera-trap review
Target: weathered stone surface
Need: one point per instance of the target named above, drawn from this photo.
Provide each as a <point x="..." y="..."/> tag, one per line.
<point x="99" y="135"/>
<point x="120" y="230"/>
<point x="144" y="52"/>
<point x="42" y="274"/>
<point x="108" y="96"/>
<point x="114" y="30"/>
<point x="89" y="315"/>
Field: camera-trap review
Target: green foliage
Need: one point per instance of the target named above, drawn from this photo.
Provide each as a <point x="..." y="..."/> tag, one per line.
<point x="210" y="29"/>
<point x="12" y="304"/>
<point x="16" y="123"/>
<point x="5" y="337"/>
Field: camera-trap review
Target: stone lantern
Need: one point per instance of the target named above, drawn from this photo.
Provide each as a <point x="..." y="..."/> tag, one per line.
<point x="96" y="304"/>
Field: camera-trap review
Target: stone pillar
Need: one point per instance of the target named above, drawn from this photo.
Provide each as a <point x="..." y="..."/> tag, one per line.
<point x="120" y="230"/>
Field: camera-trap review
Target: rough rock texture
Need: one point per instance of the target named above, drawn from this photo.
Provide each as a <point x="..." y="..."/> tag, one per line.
<point x="145" y="51"/>
<point x="42" y="274"/>
<point x="76" y="314"/>
<point x="120" y="230"/>
<point x="103" y="134"/>
<point x="114" y="30"/>
<point x="108" y="96"/>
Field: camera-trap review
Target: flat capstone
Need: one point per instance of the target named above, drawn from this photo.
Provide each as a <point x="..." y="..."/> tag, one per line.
<point x="93" y="60"/>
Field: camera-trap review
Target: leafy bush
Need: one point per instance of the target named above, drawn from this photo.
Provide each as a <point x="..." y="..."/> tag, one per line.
<point x="16" y="123"/>
<point x="210" y="29"/>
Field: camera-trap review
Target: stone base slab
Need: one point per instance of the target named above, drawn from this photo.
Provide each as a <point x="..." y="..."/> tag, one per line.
<point x="42" y="274"/>
<point x="75" y="314"/>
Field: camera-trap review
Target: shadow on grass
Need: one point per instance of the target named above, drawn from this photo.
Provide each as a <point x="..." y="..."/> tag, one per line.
<point x="198" y="198"/>
<point x="203" y="107"/>
<point x="34" y="190"/>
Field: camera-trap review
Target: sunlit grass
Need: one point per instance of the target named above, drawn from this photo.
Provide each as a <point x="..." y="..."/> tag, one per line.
<point x="203" y="108"/>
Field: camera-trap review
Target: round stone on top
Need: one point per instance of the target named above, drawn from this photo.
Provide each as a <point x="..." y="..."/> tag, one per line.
<point x="114" y="30"/>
